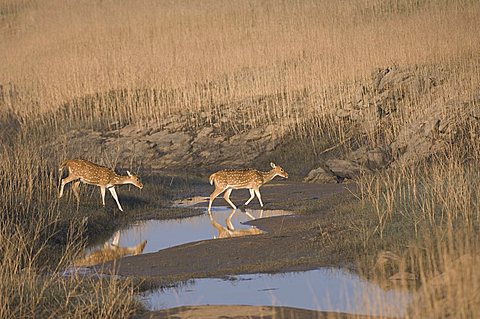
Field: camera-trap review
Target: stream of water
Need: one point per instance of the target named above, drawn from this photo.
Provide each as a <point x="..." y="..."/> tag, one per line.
<point x="324" y="289"/>
<point x="320" y="289"/>
<point x="161" y="234"/>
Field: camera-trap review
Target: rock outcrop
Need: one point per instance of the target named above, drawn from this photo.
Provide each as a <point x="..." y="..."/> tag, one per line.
<point x="387" y="92"/>
<point x="170" y="146"/>
<point x="361" y="161"/>
<point x="398" y="109"/>
<point x="429" y="131"/>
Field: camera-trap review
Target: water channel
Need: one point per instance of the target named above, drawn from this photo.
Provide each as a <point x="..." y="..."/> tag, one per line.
<point x="325" y="289"/>
<point x="320" y="289"/>
<point x="161" y="234"/>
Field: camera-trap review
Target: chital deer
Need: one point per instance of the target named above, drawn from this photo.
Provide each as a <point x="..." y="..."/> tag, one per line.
<point x="90" y="173"/>
<point x="228" y="180"/>
<point x="230" y="231"/>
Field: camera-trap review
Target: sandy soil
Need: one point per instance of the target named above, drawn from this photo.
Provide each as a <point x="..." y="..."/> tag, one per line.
<point x="237" y="312"/>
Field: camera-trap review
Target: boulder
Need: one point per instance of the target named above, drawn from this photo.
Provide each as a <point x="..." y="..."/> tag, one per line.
<point x="434" y="129"/>
<point x="372" y="158"/>
<point x="320" y="175"/>
<point x="345" y="169"/>
<point x="384" y="96"/>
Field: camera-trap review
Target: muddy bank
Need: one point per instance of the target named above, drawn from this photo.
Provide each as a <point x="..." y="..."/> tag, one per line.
<point x="264" y="312"/>
<point x="299" y="242"/>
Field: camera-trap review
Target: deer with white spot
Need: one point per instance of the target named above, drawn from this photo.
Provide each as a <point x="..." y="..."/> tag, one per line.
<point x="251" y="179"/>
<point x="80" y="170"/>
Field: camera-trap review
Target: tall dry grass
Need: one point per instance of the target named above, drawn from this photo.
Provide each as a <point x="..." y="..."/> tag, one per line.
<point x="141" y="61"/>
<point x="38" y="241"/>
<point x="94" y="63"/>
<point x="432" y="210"/>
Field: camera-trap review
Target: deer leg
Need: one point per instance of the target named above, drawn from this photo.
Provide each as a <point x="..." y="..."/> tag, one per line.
<point x="60" y="194"/>
<point x="226" y="196"/>
<point x="215" y="193"/>
<point x="114" y="195"/>
<point x="252" y="195"/>
<point x="102" y="193"/>
<point x="75" y="190"/>
<point x="64" y="182"/>
<point x="257" y="192"/>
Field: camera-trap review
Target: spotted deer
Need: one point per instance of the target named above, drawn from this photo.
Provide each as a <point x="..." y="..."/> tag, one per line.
<point x="80" y="170"/>
<point x="251" y="179"/>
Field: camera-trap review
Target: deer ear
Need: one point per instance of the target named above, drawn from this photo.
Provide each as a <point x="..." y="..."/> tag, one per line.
<point x="129" y="174"/>
<point x="272" y="164"/>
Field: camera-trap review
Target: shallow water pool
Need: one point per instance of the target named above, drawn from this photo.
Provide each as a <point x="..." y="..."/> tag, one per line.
<point x="161" y="234"/>
<point x="321" y="289"/>
<point x="324" y="289"/>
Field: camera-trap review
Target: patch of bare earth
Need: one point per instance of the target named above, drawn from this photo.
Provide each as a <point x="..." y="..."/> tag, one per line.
<point x="236" y="312"/>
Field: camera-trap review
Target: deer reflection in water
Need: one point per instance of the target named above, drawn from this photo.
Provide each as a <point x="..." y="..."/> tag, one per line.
<point x="229" y="230"/>
<point x="110" y="251"/>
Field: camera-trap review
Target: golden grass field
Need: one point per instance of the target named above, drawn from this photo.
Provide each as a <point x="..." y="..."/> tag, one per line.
<point x="186" y="57"/>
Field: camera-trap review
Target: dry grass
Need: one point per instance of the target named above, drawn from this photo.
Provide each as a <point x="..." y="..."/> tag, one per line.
<point x="433" y="211"/>
<point x="163" y="57"/>
<point x="93" y="63"/>
<point x="35" y="250"/>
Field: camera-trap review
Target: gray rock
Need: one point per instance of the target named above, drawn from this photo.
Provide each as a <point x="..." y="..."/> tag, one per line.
<point x="345" y="168"/>
<point x="320" y="175"/>
<point x="433" y="130"/>
<point x="373" y="159"/>
<point x="166" y="145"/>
<point x="384" y="96"/>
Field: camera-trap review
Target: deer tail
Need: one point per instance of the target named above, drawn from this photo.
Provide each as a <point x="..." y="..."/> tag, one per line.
<point x="212" y="177"/>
